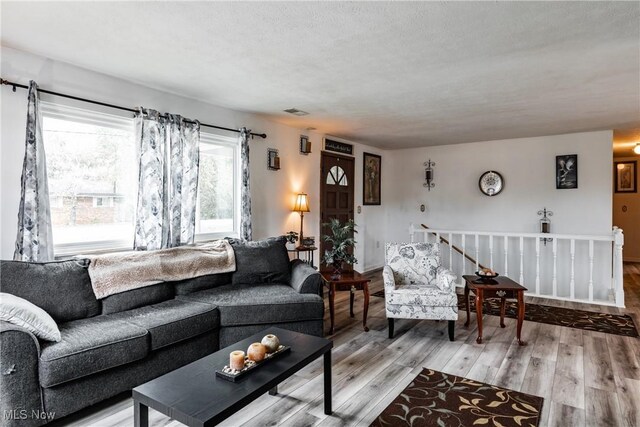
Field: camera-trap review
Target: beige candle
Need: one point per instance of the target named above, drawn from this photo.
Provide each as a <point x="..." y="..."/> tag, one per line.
<point x="236" y="360"/>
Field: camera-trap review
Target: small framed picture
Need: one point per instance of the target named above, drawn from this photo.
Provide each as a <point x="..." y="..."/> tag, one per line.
<point x="625" y="176"/>
<point x="567" y="171"/>
<point x="371" y="171"/>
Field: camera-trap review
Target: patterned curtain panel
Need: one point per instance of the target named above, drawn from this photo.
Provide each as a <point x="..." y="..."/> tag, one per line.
<point x="35" y="239"/>
<point x="168" y="180"/>
<point x="245" y="186"/>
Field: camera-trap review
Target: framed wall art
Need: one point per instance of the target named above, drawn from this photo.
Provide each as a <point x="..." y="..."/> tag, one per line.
<point x="567" y="171"/>
<point x="371" y="172"/>
<point x="626" y="176"/>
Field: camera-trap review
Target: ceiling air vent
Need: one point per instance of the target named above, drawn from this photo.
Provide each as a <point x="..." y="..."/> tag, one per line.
<point x="295" y="112"/>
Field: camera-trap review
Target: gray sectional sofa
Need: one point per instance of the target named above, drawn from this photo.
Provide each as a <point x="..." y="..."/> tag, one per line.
<point x="111" y="345"/>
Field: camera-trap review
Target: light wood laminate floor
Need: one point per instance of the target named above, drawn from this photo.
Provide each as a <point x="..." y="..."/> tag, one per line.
<point x="586" y="378"/>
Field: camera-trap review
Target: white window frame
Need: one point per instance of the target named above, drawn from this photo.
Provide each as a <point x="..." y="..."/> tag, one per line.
<point x="80" y="115"/>
<point x="227" y="141"/>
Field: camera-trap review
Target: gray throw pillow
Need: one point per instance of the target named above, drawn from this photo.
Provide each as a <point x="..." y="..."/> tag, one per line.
<point x="61" y="288"/>
<point x="261" y="261"/>
<point x="20" y="312"/>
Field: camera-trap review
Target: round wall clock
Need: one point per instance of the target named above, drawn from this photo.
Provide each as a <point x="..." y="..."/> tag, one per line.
<point x="491" y="183"/>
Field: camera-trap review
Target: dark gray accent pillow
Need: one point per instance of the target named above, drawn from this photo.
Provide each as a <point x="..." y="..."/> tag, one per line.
<point x="61" y="288"/>
<point x="261" y="261"/>
<point x="201" y="283"/>
<point x="137" y="298"/>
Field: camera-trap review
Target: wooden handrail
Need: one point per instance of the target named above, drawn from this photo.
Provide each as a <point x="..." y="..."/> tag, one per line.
<point x="455" y="248"/>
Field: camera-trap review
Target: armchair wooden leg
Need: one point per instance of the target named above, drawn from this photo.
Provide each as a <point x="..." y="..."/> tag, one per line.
<point x="390" y="328"/>
<point x="452" y="326"/>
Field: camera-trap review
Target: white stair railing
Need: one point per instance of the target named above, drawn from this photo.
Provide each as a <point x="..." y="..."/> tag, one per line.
<point x="582" y="268"/>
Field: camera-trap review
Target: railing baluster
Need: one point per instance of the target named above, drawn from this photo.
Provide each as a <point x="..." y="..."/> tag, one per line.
<point x="590" y="270"/>
<point x="537" y="266"/>
<point x="557" y="272"/>
<point x="521" y="260"/>
<point x="491" y="251"/>
<point x="618" y="273"/>
<point x="506" y="255"/>
<point x="477" y="252"/>
<point x="450" y="252"/>
<point x="464" y="239"/>
<point x="572" y="283"/>
<point x="555" y="267"/>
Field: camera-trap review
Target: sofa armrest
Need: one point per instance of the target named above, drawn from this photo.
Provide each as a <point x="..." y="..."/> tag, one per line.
<point x="20" y="391"/>
<point x="305" y="279"/>
<point x="445" y="280"/>
<point x="388" y="279"/>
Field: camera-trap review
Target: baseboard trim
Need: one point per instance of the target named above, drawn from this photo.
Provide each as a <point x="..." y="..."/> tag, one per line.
<point x="372" y="270"/>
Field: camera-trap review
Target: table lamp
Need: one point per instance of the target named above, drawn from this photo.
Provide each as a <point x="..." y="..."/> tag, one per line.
<point x="301" y="206"/>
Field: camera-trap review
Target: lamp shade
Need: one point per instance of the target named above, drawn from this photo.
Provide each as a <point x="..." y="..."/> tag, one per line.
<point x="302" y="203"/>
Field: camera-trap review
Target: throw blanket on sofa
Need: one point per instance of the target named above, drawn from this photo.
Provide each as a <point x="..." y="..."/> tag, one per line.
<point x="119" y="272"/>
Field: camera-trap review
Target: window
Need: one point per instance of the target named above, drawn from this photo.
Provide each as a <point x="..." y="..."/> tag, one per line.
<point x="92" y="170"/>
<point x="218" y="201"/>
<point x="337" y="176"/>
<point x="103" y="202"/>
<point x="91" y="166"/>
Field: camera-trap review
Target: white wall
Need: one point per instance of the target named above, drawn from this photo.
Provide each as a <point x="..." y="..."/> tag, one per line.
<point x="272" y="191"/>
<point x="528" y="168"/>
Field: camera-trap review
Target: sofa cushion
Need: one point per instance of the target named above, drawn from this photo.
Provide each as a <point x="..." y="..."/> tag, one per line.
<point x="61" y="288"/>
<point x="261" y="261"/>
<point x="89" y="346"/>
<point x="201" y="283"/>
<point x="137" y="298"/>
<point x="173" y="321"/>
<point x="20" y="312"/>
<point x="421" y="295"/>
<point x="257" y="304"/>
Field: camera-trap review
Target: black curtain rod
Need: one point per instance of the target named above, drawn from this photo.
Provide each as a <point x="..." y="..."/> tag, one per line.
<point x="104" y="104"/>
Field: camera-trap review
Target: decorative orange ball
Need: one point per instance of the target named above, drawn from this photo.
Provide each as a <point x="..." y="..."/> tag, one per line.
<point x="256" y="352"/>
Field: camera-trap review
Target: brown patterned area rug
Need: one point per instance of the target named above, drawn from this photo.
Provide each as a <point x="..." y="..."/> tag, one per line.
<point x="441" y="400"/>
<point x="617" y="324"/>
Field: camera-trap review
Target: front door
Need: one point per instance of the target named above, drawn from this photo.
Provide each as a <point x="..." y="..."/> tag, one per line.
<point x="336" y="191"/>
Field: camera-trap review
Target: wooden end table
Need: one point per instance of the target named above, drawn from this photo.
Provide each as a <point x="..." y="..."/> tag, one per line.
<point x="308" y="252"/>
<point x="500" y="287"/>
<point x="351" y="281"/>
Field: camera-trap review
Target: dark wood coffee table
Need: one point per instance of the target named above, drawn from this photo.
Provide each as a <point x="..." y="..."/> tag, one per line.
<point x="194" y="396"/>
<point x="351" y="281"/>
<point x="500" y="287"/>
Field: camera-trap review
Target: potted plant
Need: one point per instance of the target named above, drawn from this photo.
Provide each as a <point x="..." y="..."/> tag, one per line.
<point x="342" y="242"/>
<point x="291" y="237"/>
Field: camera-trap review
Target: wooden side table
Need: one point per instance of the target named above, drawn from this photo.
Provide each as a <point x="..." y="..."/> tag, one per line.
<point x="500" y="287"/>
<point x="308" y="252"/>
<point x="351" y="281"/>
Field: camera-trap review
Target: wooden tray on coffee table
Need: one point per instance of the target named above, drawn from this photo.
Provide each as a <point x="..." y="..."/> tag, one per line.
<point x="238" y="375"/>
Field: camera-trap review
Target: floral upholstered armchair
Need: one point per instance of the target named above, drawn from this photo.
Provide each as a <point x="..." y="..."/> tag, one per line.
<point x="416" y="286"/>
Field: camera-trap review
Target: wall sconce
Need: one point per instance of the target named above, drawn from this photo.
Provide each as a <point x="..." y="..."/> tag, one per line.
<point x="428" y="175"/>
<point x="636" y="149"/>
<point x="273" y="159"/>
<point x="305" y="144"/>
<point x="545" y="223"/>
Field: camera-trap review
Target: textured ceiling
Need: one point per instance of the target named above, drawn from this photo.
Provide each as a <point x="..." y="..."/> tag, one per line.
<point x="388" y="74"/>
